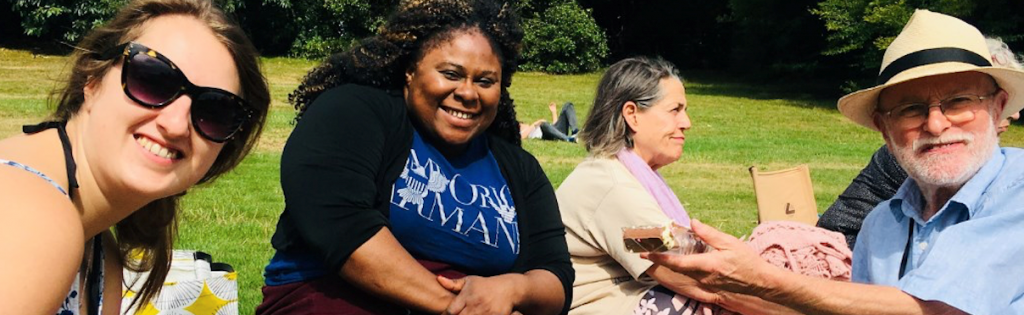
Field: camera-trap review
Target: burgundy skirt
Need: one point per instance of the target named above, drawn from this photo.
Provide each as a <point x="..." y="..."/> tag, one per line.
<point x="331" y="295"/>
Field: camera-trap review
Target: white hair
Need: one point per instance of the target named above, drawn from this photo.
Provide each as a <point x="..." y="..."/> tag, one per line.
<point x="1002" y="56"/>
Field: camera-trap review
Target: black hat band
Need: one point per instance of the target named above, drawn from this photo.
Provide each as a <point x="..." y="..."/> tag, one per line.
<point x="931" y="56"/>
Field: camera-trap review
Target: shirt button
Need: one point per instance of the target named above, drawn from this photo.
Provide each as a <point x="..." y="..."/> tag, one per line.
<point x="922" y="245"/>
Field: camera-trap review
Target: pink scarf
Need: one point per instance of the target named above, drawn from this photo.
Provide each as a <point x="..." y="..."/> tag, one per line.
<point x="655" y="185"/>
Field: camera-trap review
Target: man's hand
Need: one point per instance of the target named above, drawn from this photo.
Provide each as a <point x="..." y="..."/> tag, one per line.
<point x="733" y="267"/>
<point x="483" y="295"/>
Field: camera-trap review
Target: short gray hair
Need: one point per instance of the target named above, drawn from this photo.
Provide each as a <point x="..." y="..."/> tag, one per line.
<point x="633" y="79"/>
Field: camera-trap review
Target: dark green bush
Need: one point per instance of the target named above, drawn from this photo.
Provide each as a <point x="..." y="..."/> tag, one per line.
<point x="563" y="39"/>
<point x="63" y="20"/>
<point x="864" y="28"/>
<point x="757" y="41"/>
<point x="324" y="27"/>
<point x="302" y="28"/>
<point x="561" y="36"/>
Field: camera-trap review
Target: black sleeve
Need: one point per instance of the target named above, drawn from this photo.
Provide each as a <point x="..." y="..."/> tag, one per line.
<point x="331" y="169"/>
<point x="543" y="241"/>
<point x="877" y="182"/>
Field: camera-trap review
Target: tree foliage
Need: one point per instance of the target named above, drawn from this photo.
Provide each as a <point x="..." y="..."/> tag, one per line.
<point x="564" y="38"/>
<point x="304" y="28"/>
<point x="775" y="36"/>
<point x="65" y="20"/>
<point x="687" y="33"/>
<point x="864" y="28"/>
<point x="323" y="27"/>
<point x="561" y="38"/>
<point x="843" y="39"/>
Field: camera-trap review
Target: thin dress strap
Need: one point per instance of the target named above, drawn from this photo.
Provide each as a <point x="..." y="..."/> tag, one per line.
<point x="36" y="172"/>
<point x="69" y="159"/>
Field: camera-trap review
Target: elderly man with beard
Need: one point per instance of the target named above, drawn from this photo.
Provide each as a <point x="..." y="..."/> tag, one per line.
<point x="949" y="241"/>
<point x="882" y="176"/>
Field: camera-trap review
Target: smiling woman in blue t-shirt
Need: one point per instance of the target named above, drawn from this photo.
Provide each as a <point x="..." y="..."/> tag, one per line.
<point x="405" y="165"/>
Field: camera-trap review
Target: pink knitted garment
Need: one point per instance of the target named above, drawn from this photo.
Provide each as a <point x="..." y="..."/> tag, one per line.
<point x="801" y="248"/>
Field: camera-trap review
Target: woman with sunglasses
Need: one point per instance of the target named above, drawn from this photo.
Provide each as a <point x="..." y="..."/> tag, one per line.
<point x="405" y="164"/>
<point x="166" y="95"/>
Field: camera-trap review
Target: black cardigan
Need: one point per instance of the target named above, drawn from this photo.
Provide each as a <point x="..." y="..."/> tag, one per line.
<point x="340" y="163"/>
<point x="877" y="182"/>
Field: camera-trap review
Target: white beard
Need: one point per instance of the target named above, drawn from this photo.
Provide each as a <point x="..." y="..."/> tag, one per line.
<point x="947" y="170"/>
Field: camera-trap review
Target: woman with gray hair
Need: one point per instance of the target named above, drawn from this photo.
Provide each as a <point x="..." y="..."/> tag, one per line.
<point x="637" y="125"/>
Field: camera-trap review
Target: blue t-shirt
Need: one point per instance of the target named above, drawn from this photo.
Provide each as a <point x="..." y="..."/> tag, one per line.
<point x="457" y="211"/>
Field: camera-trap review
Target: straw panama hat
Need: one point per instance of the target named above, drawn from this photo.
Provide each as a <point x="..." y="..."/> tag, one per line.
<point x="933" y="44"/>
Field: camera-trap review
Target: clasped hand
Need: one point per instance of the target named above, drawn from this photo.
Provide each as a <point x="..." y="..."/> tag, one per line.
<point x="483" y="295"/>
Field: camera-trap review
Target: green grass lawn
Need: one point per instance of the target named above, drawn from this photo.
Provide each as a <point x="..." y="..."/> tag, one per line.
<point x="735" y="125"/>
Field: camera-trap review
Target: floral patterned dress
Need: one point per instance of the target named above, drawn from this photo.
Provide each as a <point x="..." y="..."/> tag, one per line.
<point x="662" y="301"/>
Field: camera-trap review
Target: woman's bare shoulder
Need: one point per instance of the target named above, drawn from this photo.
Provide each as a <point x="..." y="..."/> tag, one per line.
<point x="41" y="242"/>
<point x="28" y="199"/>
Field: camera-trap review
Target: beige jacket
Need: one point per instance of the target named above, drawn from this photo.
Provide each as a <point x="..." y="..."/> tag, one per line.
<point x="597" y="200"/>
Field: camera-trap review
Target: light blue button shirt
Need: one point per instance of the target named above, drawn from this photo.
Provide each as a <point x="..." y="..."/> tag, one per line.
<point x="969" y="255"/>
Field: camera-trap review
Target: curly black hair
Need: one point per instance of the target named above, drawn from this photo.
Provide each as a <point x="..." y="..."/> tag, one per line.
<point x="416" y="27"/>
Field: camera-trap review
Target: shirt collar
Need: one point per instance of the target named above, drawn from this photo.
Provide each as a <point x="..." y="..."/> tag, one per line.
<point x="908" y="199"/>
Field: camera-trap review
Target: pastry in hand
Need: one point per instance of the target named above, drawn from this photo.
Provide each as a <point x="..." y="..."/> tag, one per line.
<point x="670" y="238"/>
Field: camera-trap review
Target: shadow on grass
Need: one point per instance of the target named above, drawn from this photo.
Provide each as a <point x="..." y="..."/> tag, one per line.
<point x="36" y="46"/>
<point x="806" y="92"/>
